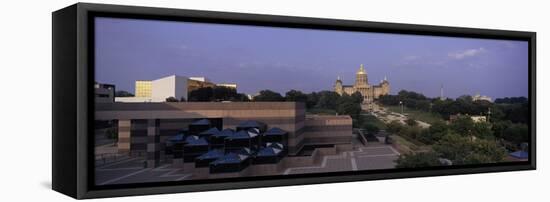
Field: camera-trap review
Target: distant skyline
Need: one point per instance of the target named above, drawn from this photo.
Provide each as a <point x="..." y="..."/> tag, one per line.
<point x="281" y="59"/>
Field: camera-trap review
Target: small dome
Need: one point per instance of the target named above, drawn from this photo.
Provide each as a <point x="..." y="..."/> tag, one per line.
<point x="361" y="70"/>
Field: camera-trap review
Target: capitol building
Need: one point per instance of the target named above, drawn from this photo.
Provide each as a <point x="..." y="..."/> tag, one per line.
<point x="361" y="85"/>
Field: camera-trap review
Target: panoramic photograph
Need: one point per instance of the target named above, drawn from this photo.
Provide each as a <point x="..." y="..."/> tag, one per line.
<point x="181" y="101"/>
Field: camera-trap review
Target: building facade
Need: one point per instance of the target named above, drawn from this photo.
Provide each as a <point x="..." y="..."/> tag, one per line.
<point x="361" y="85"/>
<point x="135" y="121"/>
<point x="478" y="97"/>
<point x="158" y="90"/>
<point x="171" y="86"/>
<point x="195" y="83"/>
<point x="228" y="85"/>
<point x="104" y="93"/>
<point x="143" y="88"/>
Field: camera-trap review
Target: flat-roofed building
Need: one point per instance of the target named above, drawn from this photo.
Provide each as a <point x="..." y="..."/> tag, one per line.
<point x="159" y="90"/>
<point x="479" y="97"/>
<point x="104" y="92"/>
<point x="170" y="86"/>
<point x="174" y="86"/>
<point x="194" y="84"/>
<point x="228" y="85"/>
<point x="143" y="88"/>
<point x="199" y="78"/>
<point x="327" y="129"/>
<point x="138" y="121"/>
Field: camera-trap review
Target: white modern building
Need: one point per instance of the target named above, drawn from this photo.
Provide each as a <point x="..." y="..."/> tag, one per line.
<point x="171" y="86"/>
<point x="200" y="78"/>
<point x="228" y="85"/>
<point x="478" y="97"/>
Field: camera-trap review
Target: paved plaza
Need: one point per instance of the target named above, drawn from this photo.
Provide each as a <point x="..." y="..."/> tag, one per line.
<point x="364" y="158"/>
<point x="131" y="169"/>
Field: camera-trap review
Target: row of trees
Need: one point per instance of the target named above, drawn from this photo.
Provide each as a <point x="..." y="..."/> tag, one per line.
<point x="460" y="142"/>
<point x="122" y="93"/>
<point x="514" y="109"/>
<point x="216" y="93"/>
<point x="319" y="101"/>
<point x="456" y="149"/>
<point x="462" y="125"/>
<point x="314" y="101"/>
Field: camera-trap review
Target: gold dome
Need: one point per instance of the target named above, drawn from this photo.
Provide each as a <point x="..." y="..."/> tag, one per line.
<point x="361" y="70"/>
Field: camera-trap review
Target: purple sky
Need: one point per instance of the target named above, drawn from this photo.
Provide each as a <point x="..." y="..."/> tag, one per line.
<point x="281" y="59"/>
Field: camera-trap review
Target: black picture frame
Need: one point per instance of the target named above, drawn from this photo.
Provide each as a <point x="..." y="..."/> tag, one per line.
<point x="73" y="105"/>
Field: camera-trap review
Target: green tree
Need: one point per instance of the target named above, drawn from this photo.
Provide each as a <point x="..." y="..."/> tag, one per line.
<point x="357" y="97"/>
<point x="346" y="105"/>
<point x="516" y="133"/>
<point x="312" y="100"/>
<point x="433" y="134"/>
<point x="221" y="93"/>
<point x="418" y="160"/>
<point x="122" y="93"/>
<point x="296" y="96"/>
<point x="269" y="96"/>
<point x="463" y="125"/>
<point x="328" y="100"/>
<point x="171" y="99"/>
<point x="482" y="130"/>
<point x="201" y="95"/>
<point x="464" y="150"/>
<point x="454" y="147"/>
<point x="411" y="131"/>
<point x="394" y="127"/>
<point x="241" y="97"/>
<point x="485" y="151"/>
<point x="371" y="128"/>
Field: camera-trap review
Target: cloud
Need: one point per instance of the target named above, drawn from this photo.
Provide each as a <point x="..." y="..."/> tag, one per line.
<point x="420" y="61"/>
<point x="410" y="57"/>
<point x="466" y="53"/>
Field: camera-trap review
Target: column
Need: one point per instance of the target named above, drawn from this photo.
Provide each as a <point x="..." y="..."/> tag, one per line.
<point x="153" y="143"/>
<point x="124" y="136"/>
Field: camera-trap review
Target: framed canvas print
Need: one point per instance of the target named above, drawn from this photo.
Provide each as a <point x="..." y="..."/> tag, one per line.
<point x="155" y="100"/>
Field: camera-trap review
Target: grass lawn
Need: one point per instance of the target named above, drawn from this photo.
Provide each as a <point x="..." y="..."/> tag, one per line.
<point x="406" y="146"/>
<point x="417" y="114"/>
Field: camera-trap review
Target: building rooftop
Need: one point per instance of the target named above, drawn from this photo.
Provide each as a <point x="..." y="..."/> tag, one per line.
<point x="195" y="141"/>
<point x="244" y="134"/>
<point x="250" y="124"/>
<point x="275" y="145"/>
<point x="211" y="131"/>
<point x="225" y="133"/>
<point x="230" y="158"/>
<point x="275" y="131"/>
<point x="201" y="122"/>
<point x="269" y="151"/>
<point x="177" y="138"/>
<point x="212" y="154"/>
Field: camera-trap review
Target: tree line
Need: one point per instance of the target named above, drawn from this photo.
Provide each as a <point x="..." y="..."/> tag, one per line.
<point x="459" y="142"/>
<point x="322" y="101"/>
<point x="515" y="109"/>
